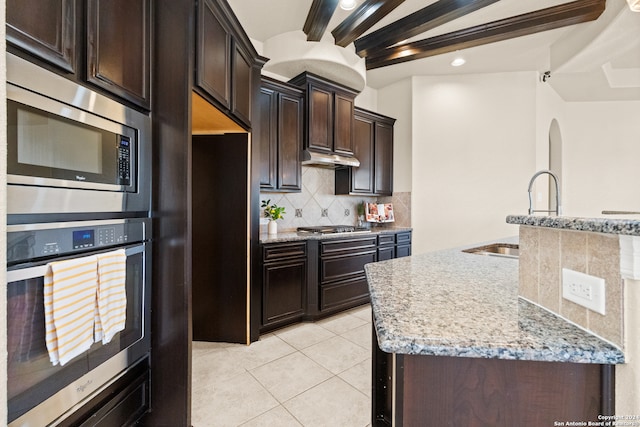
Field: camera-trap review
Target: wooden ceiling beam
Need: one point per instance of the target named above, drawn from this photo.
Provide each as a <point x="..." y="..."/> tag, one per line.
<point x="363" y="18"/>
<point x="417" y="23"/>
<point x="550" y="18"/>
<point x="318" y="18"/>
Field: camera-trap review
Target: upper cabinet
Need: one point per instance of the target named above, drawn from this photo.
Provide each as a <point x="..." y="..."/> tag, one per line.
<point x="373" y="146"/>
<point x="281" y="127"/>
<point x="329" y="114"/>
<point x="224" y="60"/>
<point x="45" y="29"/>
<point x="116" y="34"/>
<point x="118" y="53"/>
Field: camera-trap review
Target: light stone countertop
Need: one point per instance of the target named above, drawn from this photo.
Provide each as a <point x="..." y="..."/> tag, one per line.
<point x="628" y="226"/>
<point x="293" y="236"/>
<point x="451" y="303"/>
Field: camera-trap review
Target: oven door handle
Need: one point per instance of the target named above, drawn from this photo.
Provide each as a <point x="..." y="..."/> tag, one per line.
<point x="41" y="270"/>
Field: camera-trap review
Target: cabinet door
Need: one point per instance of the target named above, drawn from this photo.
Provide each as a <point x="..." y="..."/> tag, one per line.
<point x="362" y="176"/>
<point x="289" y="142"/>
<point x="213" y="54"/>
<point x="343" y="124"/>
<point x="284" y="295"/>
<point x="386" y="253"/>
<point x="320" y="116"/>
<point x="44" y="28"/>
<point x="383" y="159"/>
<point x="118" y="48"/>
<point x="241" y="85"/>
<point x="268" y="138"/>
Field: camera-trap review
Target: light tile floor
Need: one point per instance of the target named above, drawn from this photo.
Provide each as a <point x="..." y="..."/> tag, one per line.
<point x="309" y="374"/>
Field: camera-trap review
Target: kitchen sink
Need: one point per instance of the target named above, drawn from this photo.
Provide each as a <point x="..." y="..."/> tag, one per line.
<point x="505" y="250"/>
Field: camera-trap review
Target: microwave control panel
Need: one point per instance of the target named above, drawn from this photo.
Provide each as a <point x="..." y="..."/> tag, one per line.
<point x="124" y="160"/>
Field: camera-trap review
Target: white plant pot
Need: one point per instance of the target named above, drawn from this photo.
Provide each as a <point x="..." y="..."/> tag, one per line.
<point x="273" y="227"/>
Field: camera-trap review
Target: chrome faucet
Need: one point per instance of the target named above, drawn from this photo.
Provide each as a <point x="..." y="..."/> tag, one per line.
<point x="558" y="209"/>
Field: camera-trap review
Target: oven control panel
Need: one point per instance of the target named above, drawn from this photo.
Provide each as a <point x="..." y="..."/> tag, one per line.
<point x="34" y="241"/>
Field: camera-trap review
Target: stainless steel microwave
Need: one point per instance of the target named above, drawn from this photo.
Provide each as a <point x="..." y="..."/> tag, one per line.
<point x="71" y="149"/>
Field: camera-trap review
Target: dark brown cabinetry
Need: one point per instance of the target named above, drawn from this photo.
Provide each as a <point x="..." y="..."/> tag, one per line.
<point x="373" y="147"/>
<point x="284" y="282"/>
<point x="308" y="280"/>
<point x="223" y="65"/>
<point x="403" y="244"/>
<point x="329" y="114"/>
<point x="44" y="28"/>
<point x="116" y="34"/>
<point x="281" y="127"/>
<point x="342" y="282"/>
<point x="465" y="391"/>
<point x="386" y="247"/>
<point x="118" y="53"/>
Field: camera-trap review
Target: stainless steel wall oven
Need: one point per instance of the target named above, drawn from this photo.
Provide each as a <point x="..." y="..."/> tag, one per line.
<point x="79" y="187"/>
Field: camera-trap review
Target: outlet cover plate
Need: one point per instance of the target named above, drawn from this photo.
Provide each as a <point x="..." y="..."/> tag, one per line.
<point x="583" y="289"/>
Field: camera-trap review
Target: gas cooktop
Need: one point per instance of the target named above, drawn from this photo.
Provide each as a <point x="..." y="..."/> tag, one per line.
<point x="330" y="229"/>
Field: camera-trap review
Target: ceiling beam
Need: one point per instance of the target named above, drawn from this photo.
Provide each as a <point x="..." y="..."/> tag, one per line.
<point x="320" y="14"/>
<point x="363" y="18"/>
<point x="419" y="22"/>
<point x="521" y="25"/>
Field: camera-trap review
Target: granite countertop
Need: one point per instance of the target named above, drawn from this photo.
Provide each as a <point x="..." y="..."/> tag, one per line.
<point x="626" y="226"/>
<point x="451" y="303"/>
<point x="293" y="236"/>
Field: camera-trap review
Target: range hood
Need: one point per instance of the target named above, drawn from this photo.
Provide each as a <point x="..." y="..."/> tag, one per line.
<point x="313" y="158"/>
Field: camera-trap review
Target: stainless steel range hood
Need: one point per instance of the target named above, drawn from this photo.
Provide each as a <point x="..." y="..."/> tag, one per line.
<point x="312" y="158"/>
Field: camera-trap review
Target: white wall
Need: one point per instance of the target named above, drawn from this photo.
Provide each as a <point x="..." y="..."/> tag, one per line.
<point x="602" y="151"/>
<point x="472" y="156"/>
<point x="397" y="103"/>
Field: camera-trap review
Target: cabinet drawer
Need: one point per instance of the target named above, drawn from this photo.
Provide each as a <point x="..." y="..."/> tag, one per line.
<point x="403" y="250"/>
<point x="403" y="238"/>
<point x="386" y="253"/>
<point x="386" y="239"/>
<point x="275" y="252"/>
<point x="345" y="267"/>
<point x="354" y="244"/>
<point x="343" y="293"/>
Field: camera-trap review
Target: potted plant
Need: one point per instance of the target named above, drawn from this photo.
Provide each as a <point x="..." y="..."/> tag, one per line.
<point x="273" y="212"/>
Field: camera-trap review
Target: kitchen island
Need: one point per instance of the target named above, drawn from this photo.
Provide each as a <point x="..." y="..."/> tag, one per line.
<point x="454" y="344"/>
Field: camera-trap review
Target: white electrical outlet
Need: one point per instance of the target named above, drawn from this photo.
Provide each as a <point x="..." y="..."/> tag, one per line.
<point x="583" y="289"/>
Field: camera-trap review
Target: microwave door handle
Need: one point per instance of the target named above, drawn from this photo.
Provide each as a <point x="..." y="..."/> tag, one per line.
<point x="41" y="270"/>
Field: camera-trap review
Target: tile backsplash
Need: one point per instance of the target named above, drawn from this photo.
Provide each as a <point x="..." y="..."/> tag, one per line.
<point x="543" y="254"/>
<point x="317" y="203"/>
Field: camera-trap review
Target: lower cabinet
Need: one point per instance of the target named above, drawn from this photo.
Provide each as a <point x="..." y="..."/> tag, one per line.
<point x="284" y="282"/>
<point x="342" y="280"/>
<point x="403" y="244"/>
<point x="467" y="391"/>
<point x="315" y="278"/>
<point x="386" y="247"/>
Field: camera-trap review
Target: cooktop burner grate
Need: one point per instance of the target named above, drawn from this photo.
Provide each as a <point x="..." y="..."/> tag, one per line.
<point x="329" y="229"/>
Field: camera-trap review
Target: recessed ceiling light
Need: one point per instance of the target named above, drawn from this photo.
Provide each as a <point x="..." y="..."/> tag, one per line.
<point x="458" y="62"/>
<point x="347" y="4"/>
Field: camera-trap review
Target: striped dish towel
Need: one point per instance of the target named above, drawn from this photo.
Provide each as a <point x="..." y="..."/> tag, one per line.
<point x="112" y="295"/>
<point x="69" y="306"/>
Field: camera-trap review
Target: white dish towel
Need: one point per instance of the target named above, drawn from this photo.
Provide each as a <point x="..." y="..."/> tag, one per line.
<point x="111" y="304"/>
<point x="69" y="307"/>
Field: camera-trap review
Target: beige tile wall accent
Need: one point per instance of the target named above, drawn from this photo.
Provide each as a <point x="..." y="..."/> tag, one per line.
<point x="543" y="254"/>
<point x="318" y="193"/>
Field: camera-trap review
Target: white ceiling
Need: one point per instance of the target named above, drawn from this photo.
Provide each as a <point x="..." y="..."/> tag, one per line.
<point x="598" y="60"/>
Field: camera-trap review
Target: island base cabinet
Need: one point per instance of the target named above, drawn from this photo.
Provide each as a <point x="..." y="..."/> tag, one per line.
<point x="413" y="390"/>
